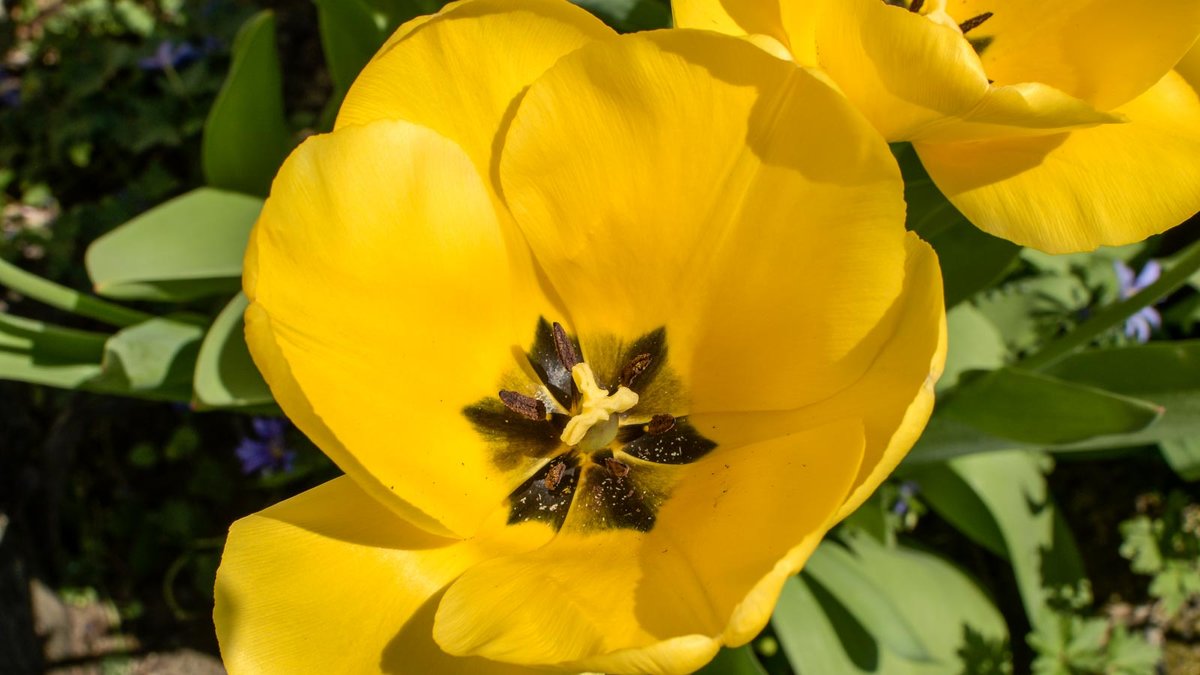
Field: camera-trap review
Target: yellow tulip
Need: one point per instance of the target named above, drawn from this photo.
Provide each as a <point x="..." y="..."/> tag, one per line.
<point x="1057" y="125"/>
<point x="606" y="333"/>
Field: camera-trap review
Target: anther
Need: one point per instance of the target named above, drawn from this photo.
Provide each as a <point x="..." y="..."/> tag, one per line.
<point x="974" y="22"/>
<point x="526" y="406"/>
<point x="565" y="349"/>
<point x="916" y="6"/>
<point x="660" y="424"/>
<point x="616" y="467"/>
<point x="554" y="477"/>
<point x="636" y="366"/>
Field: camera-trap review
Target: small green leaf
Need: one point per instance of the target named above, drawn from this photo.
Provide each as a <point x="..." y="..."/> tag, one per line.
<point x="189" y="247"/>
<point x="155" y="358"/>
<point x="1183" y="454"/>
<point x="1033" y="408"/>
<point x="844" y="577"/>
<point x="226" y="376"/>
<point x="246" y="134"/>
<point x="737" y="661"/>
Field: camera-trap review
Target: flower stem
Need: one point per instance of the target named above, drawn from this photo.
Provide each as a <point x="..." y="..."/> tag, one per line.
<point x="1177" y="275"/>
<point x="66" y="299"/>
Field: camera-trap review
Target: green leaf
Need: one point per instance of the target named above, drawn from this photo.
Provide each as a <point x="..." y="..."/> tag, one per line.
<point x="351" y="32"/>
<point x="1183" y="454"/>
<point x="1033" y="408"/>
<point x="246" y="134"/>
<point x="738" y="661"/>
<point x="226" y="376"/>
<point x="974" y="344"/>
<point x="953" y="618"/>
<point x="155" y="358"/>
<point x="189" y="247"/>
<point x="25" y="367"/>
<point x="48" y="342"/>
<point x="844" y="577"/>
<point x="1044" y="558"/>
<point x="954" y="500"/>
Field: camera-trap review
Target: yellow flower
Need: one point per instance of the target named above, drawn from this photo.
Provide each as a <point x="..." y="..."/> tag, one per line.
<point x="1058" y="125"/>
<point x="606" y="332"/>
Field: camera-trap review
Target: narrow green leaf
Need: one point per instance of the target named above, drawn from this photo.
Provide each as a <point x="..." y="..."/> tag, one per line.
<point x="844" y="577"/>
<point x="1032" y="408"/>
<point x="226" y="376"/>
<point x="46" y="341"/>
<point x="66" y="299"/>
<point x="954" y="500"/>
<point x="25" y="367"/>
<point x="246" y="134"/>
<point x="154" y="358"/>
<point x="189" y="247"/>
<point x="974" y="344"/>
<point x="737" y="661"/>
<point x="815" y="642"/>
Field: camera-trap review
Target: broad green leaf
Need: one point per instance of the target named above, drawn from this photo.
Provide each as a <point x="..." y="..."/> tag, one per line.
<point x="953" y="499"/>
<point x="225" y="374"/>
<point x="246" y="134"/>
<point x="1044" y="558"/>
<point x="840" y="573"/>
<point x="1034" y="408"/>
<point x="189" y="247"/>
<point x="155" y="358"/>
<point x="351" y="32"/>
<point x="974" y="344"/>
<point x="396" y="12"/>
<point x="25" y="367"/>
<point x="953" y="617"/>
<point x="1183" y="454"/>
<point x="737" y="661"/>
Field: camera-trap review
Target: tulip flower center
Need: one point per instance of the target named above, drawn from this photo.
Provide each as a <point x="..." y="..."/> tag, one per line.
<point x="593" y="438"/>
<point x="936" y="12"/>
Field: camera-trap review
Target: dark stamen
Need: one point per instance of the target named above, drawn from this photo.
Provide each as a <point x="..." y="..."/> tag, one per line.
<point x="635" y="367"/>
<point x="660" y="424"/>
<point x="916" y="6"/>
<point x="616" y="467"/>
<point x="555" y="475"/>
<point x="974" y="22"/>
<point x="567" y="355"/>
<point x="526" y="406"/>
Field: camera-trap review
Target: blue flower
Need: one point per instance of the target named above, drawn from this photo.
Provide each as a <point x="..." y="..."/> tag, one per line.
<point x="1146" y="319"/>
<point x="267" y="453"/>
<point x="10" y="89"/>
<point x="170" y="56"/>
<point x="908" y="490"/>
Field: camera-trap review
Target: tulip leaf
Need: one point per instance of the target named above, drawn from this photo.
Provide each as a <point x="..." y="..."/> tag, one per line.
<point x="840" y="573"/>
<point x="737" y="661"/>
<point x="951" y="615"/>
<point x="974" y="344"/>
<point x="1045" y="560"/>
<point x="187" y="248"/>
<point x="1183" y="454"/>
<point x="154" y="358"/>
<point x="945" y="491"/>
<point x="351" y="32"/>
<point x="225" y="374"/>
<point x="47" y="342"/>
<point x="246" y="134"/>
<point x="25" y="367"/>
<point x="1033" y="408"/>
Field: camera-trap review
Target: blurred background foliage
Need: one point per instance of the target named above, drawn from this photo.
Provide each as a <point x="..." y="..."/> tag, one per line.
<point x="1047" y="522"/>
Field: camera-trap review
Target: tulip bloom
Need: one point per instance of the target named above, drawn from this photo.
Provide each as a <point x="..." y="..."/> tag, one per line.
<point x="1056" y="125"/>
<point x="606" y="333"/>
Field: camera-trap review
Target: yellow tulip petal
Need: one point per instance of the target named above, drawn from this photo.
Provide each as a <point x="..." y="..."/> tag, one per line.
<point x="331" y="581"/>
<point x="734" y="526"/>
<point x="1105" y="186"/>
<point x="380" y="276"/>
<point x="691" y="181"/>
<point x="904" y="71"/>
<point x="1189" y="67"/>
<point x="459" y="71"/>
<point x="1028" y="109"/>
<point x="1105" y="52"/>
<point x="731" y="17"/>
<point x="893" y="399"/>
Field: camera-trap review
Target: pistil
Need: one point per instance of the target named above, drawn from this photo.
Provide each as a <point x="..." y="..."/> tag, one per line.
<point x="597" y="404"/>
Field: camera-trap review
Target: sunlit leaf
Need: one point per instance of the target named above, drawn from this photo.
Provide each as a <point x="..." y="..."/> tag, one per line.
<point x="225" y="374"/>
